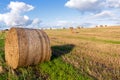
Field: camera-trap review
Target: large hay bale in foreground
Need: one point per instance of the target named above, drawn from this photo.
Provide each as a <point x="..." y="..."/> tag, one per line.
<point x="25" y="47"/>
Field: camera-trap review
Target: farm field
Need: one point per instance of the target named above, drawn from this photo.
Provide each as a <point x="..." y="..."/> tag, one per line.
<point x="96" y="51"/>
<point x="88" y="54"/>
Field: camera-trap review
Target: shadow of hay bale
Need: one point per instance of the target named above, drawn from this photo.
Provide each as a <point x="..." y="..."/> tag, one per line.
<point x="60" y="50"/>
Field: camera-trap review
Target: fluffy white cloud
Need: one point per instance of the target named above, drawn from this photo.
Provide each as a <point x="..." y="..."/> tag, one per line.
<point x="107" y="16"/>
<point x="85" y="5"/>
<point x="16" y="17"/>
<point x="113" y="3"/>
<point x="19" y="7"/>
<point x="35" y="23"/>
<point x="104" y="14"/>
<point x="92" y="5"/>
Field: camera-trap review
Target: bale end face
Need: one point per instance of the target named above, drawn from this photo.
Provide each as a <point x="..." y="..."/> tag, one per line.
<point x="12" y="48"/>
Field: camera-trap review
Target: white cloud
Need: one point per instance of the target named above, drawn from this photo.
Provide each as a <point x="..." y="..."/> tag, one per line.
<point x="85" y="5"/>
<point x="107" y="16"/>
<point x="16" y="17"/>
<point x="113" y="3"/>
<point x="93" y="5"/>
<point x="104" y="14"/>
<point x="35" y="23"/>
<point x="19" y="7"/>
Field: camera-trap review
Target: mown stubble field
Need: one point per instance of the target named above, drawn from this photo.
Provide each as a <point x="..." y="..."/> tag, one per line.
<point x="89" y="54"/>
<point x="96" y="51"/>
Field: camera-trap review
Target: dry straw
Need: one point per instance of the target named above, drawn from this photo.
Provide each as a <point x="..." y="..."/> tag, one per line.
<point x="25" y="47"/>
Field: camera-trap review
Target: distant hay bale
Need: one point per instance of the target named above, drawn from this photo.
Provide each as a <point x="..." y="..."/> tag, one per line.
<point x="82" y="27"/>
<point x="101" y="26"/>
<point x="50" y="28"/>
<point x="78" y="27"/>
<point x="25" y="47"/>
<point x="64" y="28"/>
<point x="73" y="30"/>
<point x="96" y="26"/>
<point x="6" y="29"/>
<point x="105" y="25"/>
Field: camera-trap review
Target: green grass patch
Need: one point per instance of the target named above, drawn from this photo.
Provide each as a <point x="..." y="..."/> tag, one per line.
<point x="2" y="43"/>
<point x="59" y="70"/>
<point x="93" y="39"/>
<point x="105" y="41"/>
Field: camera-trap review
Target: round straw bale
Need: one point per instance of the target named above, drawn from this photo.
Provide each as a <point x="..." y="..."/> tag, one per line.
<point x="25" y="47"/>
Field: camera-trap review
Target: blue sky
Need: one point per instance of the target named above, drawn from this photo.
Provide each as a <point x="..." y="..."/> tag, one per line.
<point x="59" y="13"/>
